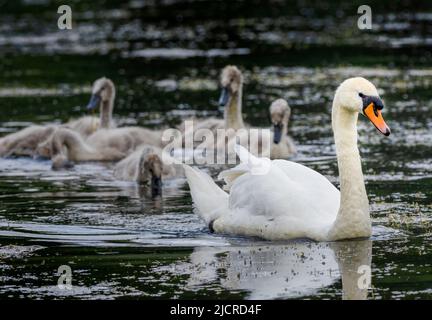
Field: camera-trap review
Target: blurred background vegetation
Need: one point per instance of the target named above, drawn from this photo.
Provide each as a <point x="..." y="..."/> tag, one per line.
<point x="138" y="43"/>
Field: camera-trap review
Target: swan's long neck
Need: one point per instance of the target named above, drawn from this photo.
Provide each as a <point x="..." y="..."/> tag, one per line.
<point x="106" y="113"/>
<point x="233" y="112"/>
<point x="353" y="219"/>
<point x="285" y="122"/>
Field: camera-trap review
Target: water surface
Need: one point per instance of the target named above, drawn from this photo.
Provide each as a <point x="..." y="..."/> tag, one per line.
<point x="165" y="60"/>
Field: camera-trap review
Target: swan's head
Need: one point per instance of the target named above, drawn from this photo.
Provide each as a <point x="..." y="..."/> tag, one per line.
<point x="360" y="95"/>
<point x="43" y="150"/>
<point x="60" y="162"/>
<point x="231" y="82"/>
<point x="103" y="91"/>
<point x="151" y="168"/>
<point x="279" y="114"/>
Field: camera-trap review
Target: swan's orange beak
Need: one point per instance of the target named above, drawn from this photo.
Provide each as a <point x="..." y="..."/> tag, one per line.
<point x="375" y="116"/>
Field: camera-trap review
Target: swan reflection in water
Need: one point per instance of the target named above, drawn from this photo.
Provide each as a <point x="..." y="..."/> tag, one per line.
<point x="272" y="271"/>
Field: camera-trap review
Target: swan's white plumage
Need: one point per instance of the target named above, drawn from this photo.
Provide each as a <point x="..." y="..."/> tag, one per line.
<point x="290" y="201"/>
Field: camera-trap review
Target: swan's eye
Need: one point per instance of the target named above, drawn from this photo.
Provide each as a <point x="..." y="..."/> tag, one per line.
<point x="361" y="95"/>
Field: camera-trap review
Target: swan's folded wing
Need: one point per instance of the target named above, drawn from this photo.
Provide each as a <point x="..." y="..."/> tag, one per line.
<point x="289" y="189"/>
<point x="317" y="186"/>
<point x="305" y="176"/>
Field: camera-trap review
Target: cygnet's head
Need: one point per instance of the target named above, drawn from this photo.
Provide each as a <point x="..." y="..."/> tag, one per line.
<point x="231" y="81"/>
<point x="103" y="91"/>
<point x="279" y="114"/>
<point x="60" y="161"/>
<point x="151" y="168"/>
<point x="43" y="150"/>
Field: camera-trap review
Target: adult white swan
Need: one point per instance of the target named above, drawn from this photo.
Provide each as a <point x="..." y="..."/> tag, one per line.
<point x="291" y="200"/>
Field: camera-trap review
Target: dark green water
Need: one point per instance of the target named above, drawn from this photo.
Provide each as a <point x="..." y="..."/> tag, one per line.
<point x="165" y="61"/>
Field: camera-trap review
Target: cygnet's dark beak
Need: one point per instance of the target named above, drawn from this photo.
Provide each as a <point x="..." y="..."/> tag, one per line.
<point x="156" y="186"/>
<point x="94" y="102"/>
<point x="224" y="97"/>
<point x="277" y="132"/>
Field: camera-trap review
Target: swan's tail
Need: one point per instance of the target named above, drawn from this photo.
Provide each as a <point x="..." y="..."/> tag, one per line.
<point x="209" y="200"/>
